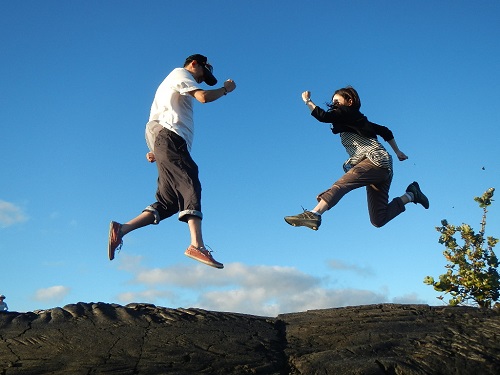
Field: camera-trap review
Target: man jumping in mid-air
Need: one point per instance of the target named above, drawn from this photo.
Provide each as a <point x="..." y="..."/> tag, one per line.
<point x="169" y="133"/>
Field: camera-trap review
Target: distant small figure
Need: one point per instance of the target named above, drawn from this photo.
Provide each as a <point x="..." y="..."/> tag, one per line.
<point x="3" y="305"/>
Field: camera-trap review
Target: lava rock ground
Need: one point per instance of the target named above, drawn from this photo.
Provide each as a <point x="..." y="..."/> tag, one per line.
<point x="101" y="338"/>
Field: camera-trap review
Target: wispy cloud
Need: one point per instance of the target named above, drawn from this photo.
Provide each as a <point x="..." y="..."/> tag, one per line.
<point x="147" y="295"/>
<point x="52" y="294"/>
<point x="259" y="290"/>
<point x="339" y="265"/>
<point x="10" y="214"/>
<point x="408" y="298"/>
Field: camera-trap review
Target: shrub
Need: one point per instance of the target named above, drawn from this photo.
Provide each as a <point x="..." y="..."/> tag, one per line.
<point x="472" y="277"/>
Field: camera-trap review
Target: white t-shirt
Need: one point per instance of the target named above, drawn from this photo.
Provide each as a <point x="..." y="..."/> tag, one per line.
<point x="173" y="105"/>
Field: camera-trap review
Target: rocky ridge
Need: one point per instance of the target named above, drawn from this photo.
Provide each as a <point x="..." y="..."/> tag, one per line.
<point x="101" y="338"/>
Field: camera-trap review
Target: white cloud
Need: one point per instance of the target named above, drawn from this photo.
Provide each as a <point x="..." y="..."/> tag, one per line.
<point x="52" y="294"/>
<point x="199" y="276"/>
<point x="10" y="214"/>
<point x="259" y="290"/>
<point x="260" y="302"/>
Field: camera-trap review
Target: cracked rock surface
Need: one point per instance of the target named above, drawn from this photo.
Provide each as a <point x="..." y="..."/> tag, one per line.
<point x="100" y="338"/>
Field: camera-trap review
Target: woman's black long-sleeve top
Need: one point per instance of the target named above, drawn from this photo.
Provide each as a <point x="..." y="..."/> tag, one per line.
<point x="348" y="119"/>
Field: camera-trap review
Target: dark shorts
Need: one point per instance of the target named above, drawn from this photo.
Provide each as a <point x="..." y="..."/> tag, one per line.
<point x="179" y="188"/>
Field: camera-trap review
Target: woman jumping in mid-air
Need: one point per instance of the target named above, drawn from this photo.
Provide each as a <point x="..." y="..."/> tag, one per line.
<point x="369" y="163"/>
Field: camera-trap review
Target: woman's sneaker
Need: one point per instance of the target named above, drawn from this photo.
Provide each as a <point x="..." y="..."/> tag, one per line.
<point x="418" y="196"/>
<point x="305" y="219"/>
<point x="202" y="255"/>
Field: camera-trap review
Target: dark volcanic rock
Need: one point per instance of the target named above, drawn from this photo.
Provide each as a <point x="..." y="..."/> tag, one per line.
<point x="394" y="339"/>
<point x="99" y="338"/>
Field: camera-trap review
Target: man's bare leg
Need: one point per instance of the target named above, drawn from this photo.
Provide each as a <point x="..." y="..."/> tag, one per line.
<point x="142" y="220"/>
<point x="197" y="249"/>
<point x="194" y="224"/>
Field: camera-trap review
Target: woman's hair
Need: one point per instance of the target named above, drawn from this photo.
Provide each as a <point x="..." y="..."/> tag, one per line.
<point x="348" y="93"/>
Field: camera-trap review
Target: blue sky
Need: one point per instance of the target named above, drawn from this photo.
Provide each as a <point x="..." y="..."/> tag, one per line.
<point x="77" y="81"/>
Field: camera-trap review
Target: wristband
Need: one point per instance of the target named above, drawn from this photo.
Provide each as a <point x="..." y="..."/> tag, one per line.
<point x="225" y="91"/>
<point x="307" y="101"/>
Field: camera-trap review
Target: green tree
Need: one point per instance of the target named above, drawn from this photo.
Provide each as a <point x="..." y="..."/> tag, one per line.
<point x="472" y="277"/>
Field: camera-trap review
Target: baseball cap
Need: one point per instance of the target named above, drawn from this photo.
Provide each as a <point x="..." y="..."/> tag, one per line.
<point x="208" y="76"/>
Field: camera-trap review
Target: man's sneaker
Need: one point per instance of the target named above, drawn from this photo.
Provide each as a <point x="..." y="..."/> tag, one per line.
<point x="418" y="196"/>
<point x="202" y="255"/>
<point x="115" y="241"/>
<point x="305" y="219"/>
